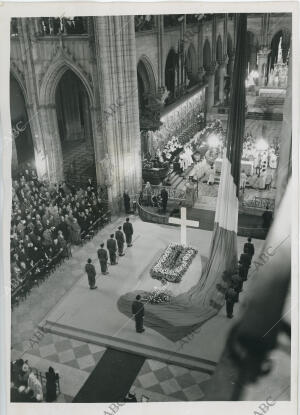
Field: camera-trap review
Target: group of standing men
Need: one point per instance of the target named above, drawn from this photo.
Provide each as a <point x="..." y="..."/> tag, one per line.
<point x="238" y="278"/>
<point x="114" y="245"/>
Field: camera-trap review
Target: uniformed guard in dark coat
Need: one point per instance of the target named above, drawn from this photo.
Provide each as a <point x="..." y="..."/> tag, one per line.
<point x="120" y="240"/>
<point x="138" y="312"/>
<point x="103" y="258"/>
<point x="231" y="298"/>
<point x="112" y="249"/>
<point x="91" y="273"/>
<point x="237" y="284"/>
<point x="164" y="199"/>
<point x="126" y="199"/>
<point x="249" y="248"/>
<point x="128" y="230"/>
<point x="245" y="262"/>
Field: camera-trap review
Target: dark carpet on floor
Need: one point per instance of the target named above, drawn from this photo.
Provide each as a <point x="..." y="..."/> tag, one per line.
<point x="112" y="378"/>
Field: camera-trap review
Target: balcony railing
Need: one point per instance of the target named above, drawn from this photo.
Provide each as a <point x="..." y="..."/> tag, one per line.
<point x="259" y="203"/>
<point x="53" y="26"/>
<point x="144" y="22"/>
<point x="173" y="193"/>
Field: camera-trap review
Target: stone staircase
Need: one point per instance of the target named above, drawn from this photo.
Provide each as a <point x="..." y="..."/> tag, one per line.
<point x="178" y="180"/>
<point x="266" y="116"/>
<point x="268" y="107"/>
<point x="267" y="101"/>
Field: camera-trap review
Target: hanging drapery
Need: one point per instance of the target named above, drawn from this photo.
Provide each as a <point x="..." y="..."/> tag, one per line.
<point x="189" y="310"/>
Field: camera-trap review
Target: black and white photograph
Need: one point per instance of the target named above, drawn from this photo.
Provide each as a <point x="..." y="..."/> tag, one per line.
<point x="151" y="208"/>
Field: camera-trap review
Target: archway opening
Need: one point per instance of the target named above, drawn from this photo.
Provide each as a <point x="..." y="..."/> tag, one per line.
<point x="206" y="55"/>
<point x="75" y="129"/>
<point x="219" y="56"/>
<point x="252" y="48"/>
<point x="280" y="46"/>
<point x="146" y="96"/>
<point x="170" y="70"/>
<point x="191" y="66"/>
<point x="146" y="85"/>
<point x="23" y="149"/>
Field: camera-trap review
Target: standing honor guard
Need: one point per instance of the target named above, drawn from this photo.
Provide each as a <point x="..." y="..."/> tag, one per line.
<point x="138" y="313"/>
<point x="120" y="240"/>
<point x="112" y="249"/>
<point x="103" y="258"/>
<point x="128" y="230"/>
<point x="91" y="273"/>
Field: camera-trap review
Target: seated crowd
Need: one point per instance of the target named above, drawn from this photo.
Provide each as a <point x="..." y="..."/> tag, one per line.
<point x="46" y="219"/>
<point x="29" y="385"/>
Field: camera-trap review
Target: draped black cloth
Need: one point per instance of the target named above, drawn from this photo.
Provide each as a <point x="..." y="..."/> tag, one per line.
<point x="189" y="310"/>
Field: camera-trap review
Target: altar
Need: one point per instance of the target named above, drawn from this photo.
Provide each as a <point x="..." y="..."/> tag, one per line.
<point x="246" y="166"/>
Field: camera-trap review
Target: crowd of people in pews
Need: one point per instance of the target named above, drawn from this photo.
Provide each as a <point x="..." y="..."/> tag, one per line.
<point x="29" y="385"/>
<point x="46" y="219"/>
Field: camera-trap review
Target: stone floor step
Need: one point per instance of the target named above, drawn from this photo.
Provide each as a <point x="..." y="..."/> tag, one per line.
<point x="206" y="366"/>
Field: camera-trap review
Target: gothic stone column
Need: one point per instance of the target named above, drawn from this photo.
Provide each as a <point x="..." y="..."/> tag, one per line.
<point x="118" y="91"/>
<point x="53" y="153"/>
<point x="222" y="73"/>
<point x="201" y="70"/>
<point x="262" y="62"/>
<point x="210" y="72"/>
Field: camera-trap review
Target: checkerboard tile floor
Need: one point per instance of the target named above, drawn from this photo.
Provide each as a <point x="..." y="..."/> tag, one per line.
<point x="175" y="382"/>
<point x="69" y="352"/>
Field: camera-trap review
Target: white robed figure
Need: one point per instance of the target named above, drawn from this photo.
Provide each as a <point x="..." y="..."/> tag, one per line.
<point x="211" y="175"/>
<point x="273" y="160"/>
<point x="189" y="153"/>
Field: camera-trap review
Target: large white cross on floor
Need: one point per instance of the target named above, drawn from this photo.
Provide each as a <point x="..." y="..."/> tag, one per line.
<point x="184" y="222"/>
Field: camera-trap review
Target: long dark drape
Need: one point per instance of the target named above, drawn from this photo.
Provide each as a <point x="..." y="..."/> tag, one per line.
<point x="188" y="311"/>
<point x="236" y="118"/>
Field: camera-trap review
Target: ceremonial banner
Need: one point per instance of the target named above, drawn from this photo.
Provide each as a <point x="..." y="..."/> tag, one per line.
<point x="187" y="311"/>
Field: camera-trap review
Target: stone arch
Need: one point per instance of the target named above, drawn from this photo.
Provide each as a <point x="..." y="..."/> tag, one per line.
<point x="229" y="45"/>
<point x="15" y="72"/>
<point x="57" y="170"/>
<point x="23" y="150"/>
<point x="191" y="64"/>
<point x="285" y="35"/>
<point x="252" y="48"/>
<point x="170" y="71"/>
<point x="219" y="49"/>
<point x="206" y="55"/>
<point x="146" y="72"/>
<point x="281" y="27"/>
<point x="52" y="77"/>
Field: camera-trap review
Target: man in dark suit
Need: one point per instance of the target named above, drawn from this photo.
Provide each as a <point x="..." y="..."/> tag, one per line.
<point x="103" y="258"/>
<point x="126" y="199"/>
<point x="112" y="249"/>
<point x="245" y="262"/>
<point x="128" y="230"/>
<point x="249" y="248"/>
<point x="120" y="240"/>
<point x="138" y="312"/>
<point x="164" y="199"/>
<point x="231" y="298"/>
<point x="91" y="273"/>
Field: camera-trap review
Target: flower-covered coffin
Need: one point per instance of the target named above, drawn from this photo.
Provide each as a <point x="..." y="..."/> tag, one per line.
<point x="173" y="263"/>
